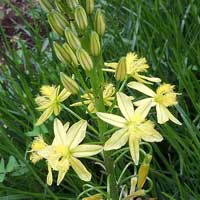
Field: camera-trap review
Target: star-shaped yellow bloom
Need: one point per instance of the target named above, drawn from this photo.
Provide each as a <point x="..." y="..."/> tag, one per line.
<point x="50" y="101"/>
<point x="163" y="97"/>
<point x="109" y="91"/>
<point x="133" y="127"/>
<point x="65" y="151"/>
<point x="134" y="67"/>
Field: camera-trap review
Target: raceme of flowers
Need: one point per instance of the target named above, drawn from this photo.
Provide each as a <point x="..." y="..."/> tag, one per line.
<point x="107" y="101"/>
<point x="133" y="126"/>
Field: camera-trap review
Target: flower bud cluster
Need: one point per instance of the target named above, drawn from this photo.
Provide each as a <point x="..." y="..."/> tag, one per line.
<point x="72" y="21"/>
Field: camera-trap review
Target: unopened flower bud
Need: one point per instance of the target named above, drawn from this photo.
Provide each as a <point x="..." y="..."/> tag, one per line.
<point x="72" y="39"/>
<point x="84" y="59"/>
<point x="58" y="22"/>
<point x="72" y="3"/>
<point x="71" y="54"/>
<point x="45" y="5"/>
<point x="60" y="6"/>
<point x="73" y="27"/>
<point x="81" y="17"/>
<point x="99" y="23"/>
<point x="143" y="171"/>
<point x="89" y="6"/>
<point x="95" y="46"/>
<point x="120" y="72"/>
<point x="61" y="54"/>
<point x="69" y="83"/>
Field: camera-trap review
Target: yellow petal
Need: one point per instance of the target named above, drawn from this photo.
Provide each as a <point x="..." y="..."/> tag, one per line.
<point x="86" y="150"/>
<point x="162" y="116"/>
<point x="142" y="102"/>
<point x="171" y="117"/>
<point x="44" y="153"/>
<point x="45" y="105"/>
<point x="45" y="115"/>
<point x="114" y="120"/>
<point x="59" y="132"/>
<point x="63" y="167"/>
<point x="63" y="95"/>
<point x="47" y="90"/>
<point x="152" y="79"/>
<point x="117" y="140"/>
<point x="112" y="65"/>
<point x="134" y="148"/>
<point x="108" y="91"/>
<point x="144" y="108"/>
<point x="66" y="126"/>
<point x="130" y="58"/>
<point x="91" y="108"/>
<point x="148" y="133"/>
<point x="80" y="169"/>
<point x="54" y="94"/>
<point x="57" y="109"/>
<point x="125" y="105"/>
<point x="49" y="176"/>
<point x="108" y="70"/>
<point x="76" y="134"/>
<point x="61" y="175"/>
<point x="77" y="104"/>
<point x="141" y="88"/>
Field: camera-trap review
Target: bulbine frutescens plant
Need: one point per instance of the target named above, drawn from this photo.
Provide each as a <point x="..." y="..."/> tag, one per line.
<point x="81" y="28"/>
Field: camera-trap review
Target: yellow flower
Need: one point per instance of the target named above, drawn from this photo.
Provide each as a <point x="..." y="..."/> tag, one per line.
<point x="163" y="97"/>
<point x="37" y="145"/>
<point x="135" y="66"/>
<point x="133" y="127"/>
<point x="108" y="93"/>
<point x="65" y="149"/>
<point x="50" y="101"/>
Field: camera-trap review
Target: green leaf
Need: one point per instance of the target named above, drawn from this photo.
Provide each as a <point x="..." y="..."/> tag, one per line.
<point x="2" y="170"/>
<point x="20" y="170"/>
<point x="12" y="164"/>
<point x="37" y="130"/>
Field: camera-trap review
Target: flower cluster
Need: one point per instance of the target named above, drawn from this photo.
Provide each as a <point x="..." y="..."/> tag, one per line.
<point x="99" y="98"/>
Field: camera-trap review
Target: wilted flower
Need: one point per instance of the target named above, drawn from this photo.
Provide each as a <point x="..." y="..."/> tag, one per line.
<point x="37" y="145"/>
<point x="133" y="127"/>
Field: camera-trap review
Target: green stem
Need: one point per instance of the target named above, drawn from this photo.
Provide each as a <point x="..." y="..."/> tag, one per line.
<point x="78" y="117"/>
<point x="97" y="81"/>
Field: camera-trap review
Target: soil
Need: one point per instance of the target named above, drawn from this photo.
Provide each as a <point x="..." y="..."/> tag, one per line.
<point x="11" y="22"/>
